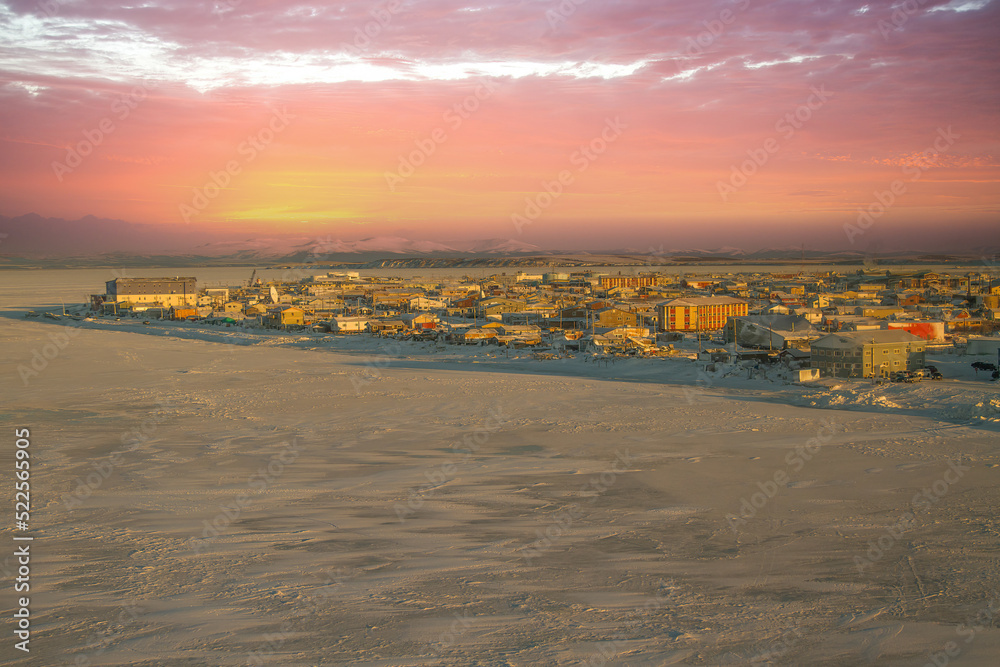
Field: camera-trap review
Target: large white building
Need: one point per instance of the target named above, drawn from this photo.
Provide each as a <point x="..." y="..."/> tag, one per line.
<point x="164" y="292"/>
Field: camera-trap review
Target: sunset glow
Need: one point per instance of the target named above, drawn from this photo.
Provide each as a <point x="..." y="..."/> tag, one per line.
<point x="733" y="123"/>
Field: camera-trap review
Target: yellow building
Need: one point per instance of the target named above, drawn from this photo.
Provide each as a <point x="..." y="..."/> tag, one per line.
<point x="164" y="292"/>
<point x="699" y="313"/>
<point x="285" y="316"/>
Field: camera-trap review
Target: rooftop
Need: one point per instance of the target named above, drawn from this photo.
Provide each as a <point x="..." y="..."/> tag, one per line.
<point x="853" y="339"/>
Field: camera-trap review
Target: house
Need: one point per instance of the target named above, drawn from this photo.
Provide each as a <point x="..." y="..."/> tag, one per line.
<point x="524" y="330"/>
<point x="812" y="315"/>
<point x="346" y="324"/>
<point x="164" y="292"/>
<point x="386" y="325"/>
<point x="527" y="334"/>
<point x="419" y="320"/>
<point x="285" y="316"/>
<point x="477" y="335"/>
<point x="598" y="343"/>
<point x="525" y="317"/>
<point x="217" y="295"/>
<point x="878" y="312"/>
<point x="699" y="313"/>
<point x="426" y="303"/>
<point x="498" y="306"/>
<point x="393" y="298"/>
<point x="868" y="353"/>
<point x="613" y="317"/>
<point x="621" y="333"/>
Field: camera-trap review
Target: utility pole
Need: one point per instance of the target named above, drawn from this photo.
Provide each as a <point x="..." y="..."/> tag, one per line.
<point x="697" y="328"/>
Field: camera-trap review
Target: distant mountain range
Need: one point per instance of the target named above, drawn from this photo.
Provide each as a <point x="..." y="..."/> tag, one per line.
<point x="33" y="240"/>
<point x="34" y="236"/>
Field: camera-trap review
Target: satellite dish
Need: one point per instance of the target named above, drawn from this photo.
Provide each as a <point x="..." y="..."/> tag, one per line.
<point x="274" y="295"/>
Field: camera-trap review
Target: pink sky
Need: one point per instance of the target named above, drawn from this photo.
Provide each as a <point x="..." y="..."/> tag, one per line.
<point x="307" y="128"/>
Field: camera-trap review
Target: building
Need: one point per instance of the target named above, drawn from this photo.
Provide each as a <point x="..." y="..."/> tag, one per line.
<point x="699" y="313"/>
<point x="163" y="292"/>
<point x="930" y="331"/>
<point x="216" y="295"/>
<point x="634" y="282"/>
<point x="477" y="335"/>
<point x="868" y="353"/>
<point x="775" y="332"/>
<point x="386" y="325"/>
<point x="698" y="284"/>
<point x="983" y="345"/>
<point x="426" y="303"/>
<point x="499" y="306"/>
<point x="613" y="317"/>
<point x="285" y="316"/>
<point x="419" y="320"/>
<point x="349" y="324"/>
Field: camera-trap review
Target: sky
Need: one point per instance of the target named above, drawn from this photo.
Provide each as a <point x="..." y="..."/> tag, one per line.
<point x="583" y="124"/>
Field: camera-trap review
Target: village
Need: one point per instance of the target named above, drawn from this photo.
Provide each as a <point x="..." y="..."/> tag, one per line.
<point x="877" y="325"/>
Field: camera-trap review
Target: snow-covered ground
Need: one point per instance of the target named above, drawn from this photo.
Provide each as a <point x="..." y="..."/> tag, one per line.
<point x="227" y="497"/>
